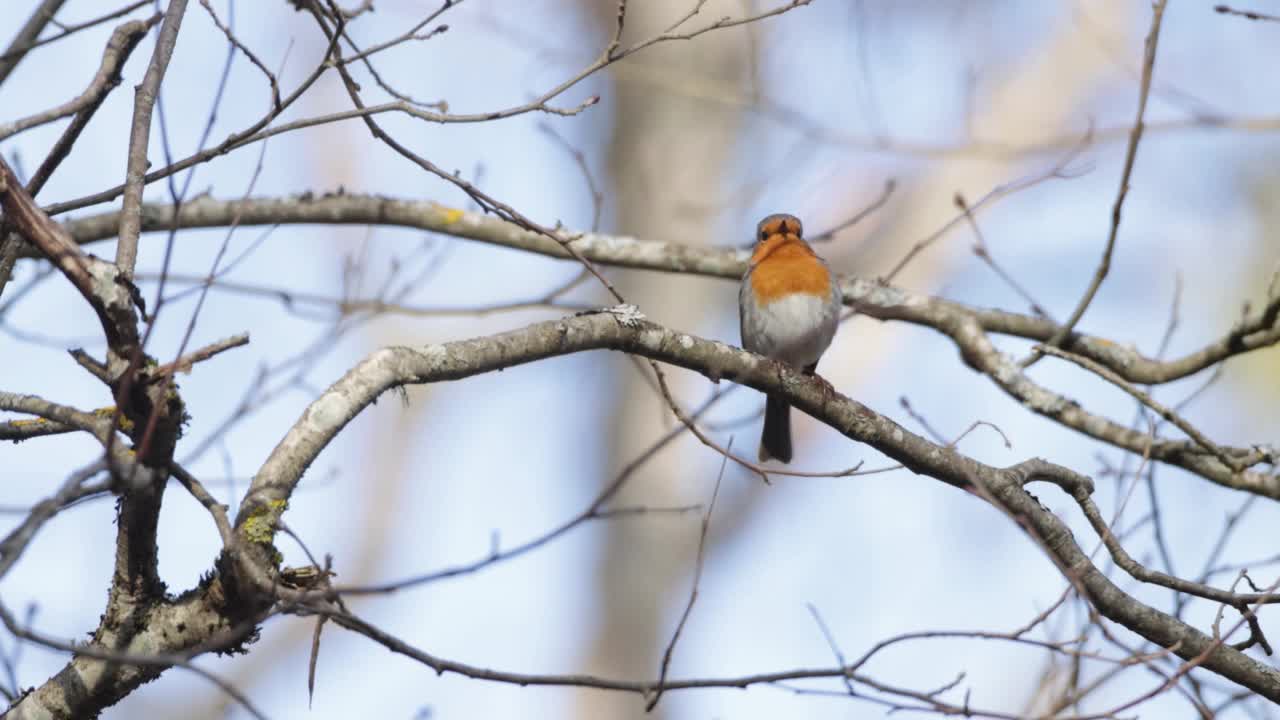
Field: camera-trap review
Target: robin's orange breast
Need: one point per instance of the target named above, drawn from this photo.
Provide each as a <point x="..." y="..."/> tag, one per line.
<point x="786" y="267"/>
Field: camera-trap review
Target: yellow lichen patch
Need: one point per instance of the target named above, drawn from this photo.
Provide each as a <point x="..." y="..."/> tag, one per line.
<point x="33" y="422"/>
<point x="121" y="421"/>
<point x="452" y="215"/>
<point x="260" y="527"/>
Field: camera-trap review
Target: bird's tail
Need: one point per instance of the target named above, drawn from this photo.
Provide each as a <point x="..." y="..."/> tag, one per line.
<point x="775" y="441"/>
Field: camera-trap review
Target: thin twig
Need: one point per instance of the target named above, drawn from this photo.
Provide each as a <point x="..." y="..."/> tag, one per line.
<point x="889" y="186"/>
<point x="217" y="510"/>
<point x="984" y="253"/>
<point x="1131" y="153"/>
<point x="184" y="363"/>
<point x="119" y="45"/>
<point x="125" y="38"/>
<point x="1246" y="14"/>
<point x="73" y="29"/>
<point x="1235" y="463"/>
<point x="26" y="37"/>
<point x="835" y="649"/>
<point x="1059" y="170"/>
<point x="144" y="101"/>
<point x="693" y="591"/>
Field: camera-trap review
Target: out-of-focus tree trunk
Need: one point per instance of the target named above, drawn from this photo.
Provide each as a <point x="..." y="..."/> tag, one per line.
<point x="1038" y="99"/>
<point x="668" y="155"/>
<point x="1253" y="376"/>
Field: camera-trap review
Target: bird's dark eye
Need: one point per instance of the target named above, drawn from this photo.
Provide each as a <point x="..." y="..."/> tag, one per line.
<point x="764" y="234"/>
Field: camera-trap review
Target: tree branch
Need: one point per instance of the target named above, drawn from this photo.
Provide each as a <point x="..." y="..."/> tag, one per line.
<point x="133" y="34"/>
<point x="966" y="325"/>
<point x="1131" y="153"/>
<point x="623" y="329"/>
<point x="26" y="37"/>
<point x="1258" y="330"/>
<point x="96" y="280"/>
<point x="144" y="102"/>
<point x="119" y="46"/>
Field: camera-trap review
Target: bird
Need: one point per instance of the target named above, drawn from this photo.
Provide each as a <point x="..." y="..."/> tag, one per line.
<point x="789" y="307"/>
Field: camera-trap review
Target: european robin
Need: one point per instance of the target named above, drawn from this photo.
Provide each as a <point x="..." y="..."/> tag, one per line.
<point x="789" y="306"/>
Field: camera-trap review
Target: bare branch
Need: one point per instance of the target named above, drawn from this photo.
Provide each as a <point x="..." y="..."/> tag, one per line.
<point x="967" y="326"/>
<point x="72" y="29"/>
<point x="889" y="186"/>
<point x="144" y="101"/>
<point x="1246" y="14"/>
<point x="119" y="46"/>
<point x="217" y="510"/>
<point x="623" y="329"/>
<point x="1130" y="154"/>
<point x="184" y="363"/>
<point x="1236" y="463"/>
<point x="693" y="591"/>
<point x="26" y="37"/>
<point x="96" y="280"/>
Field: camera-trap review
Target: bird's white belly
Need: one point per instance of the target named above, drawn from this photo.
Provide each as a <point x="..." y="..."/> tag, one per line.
<point x="795" y="329"/>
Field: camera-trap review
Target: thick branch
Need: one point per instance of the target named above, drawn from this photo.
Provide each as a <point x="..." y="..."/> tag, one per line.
<point x="188" y="624"/>
<point x="95" y="423"/>
<point x="980" y="354"/>
<point x="883" y="302"/>
<point x="93" y="681"/>
<point x="614" y="329"/>
<point x="96" y="280"/>
<point x="623" y="329"/>
<point x="152" y="403"/>
<point x="967" y="326"/>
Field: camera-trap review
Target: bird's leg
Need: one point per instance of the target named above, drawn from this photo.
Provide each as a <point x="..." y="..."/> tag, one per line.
<point x="828" y="390"/>
<point x="780" y="369"/>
